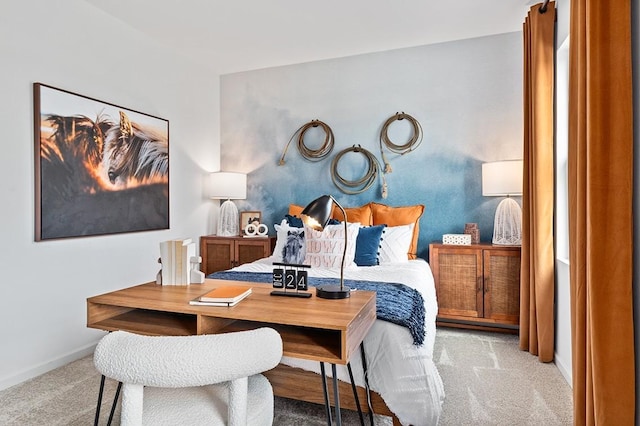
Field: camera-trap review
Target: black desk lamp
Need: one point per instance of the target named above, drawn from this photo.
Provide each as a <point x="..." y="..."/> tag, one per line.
<point x="316" y="216"/>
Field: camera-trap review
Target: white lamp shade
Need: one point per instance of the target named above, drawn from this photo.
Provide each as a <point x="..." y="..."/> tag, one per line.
<point x="228" y="186"/>
<point x="502" y="178"/>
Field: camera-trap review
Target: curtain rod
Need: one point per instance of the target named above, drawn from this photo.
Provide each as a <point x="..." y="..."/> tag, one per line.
<point x="543" y="8"/>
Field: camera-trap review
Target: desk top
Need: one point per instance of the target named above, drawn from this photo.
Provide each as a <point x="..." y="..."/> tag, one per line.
<point x="312" y="328"/>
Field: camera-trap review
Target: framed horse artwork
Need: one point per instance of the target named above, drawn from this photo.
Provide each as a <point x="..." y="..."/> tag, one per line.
<point x="99" y="168"/>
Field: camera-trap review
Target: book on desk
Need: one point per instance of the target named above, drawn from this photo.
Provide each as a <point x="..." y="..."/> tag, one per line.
<point x="223" y="296"/>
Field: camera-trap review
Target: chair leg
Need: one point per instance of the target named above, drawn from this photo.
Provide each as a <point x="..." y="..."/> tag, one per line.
<point x="132" y="404"/>
<point x="238" y="400"/>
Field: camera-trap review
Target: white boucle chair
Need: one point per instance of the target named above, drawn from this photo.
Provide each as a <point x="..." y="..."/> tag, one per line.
<point x="188" y="380"/>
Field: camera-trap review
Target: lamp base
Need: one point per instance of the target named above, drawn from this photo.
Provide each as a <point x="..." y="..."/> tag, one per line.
<point x="228" y="223"/>
<point x="333" y="292"/>
<point x="507" y="226"/>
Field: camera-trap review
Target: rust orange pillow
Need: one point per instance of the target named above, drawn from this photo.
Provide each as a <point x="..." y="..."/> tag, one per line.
<point x="396" y="216"/>
<point x="295" y="210"/>
<point x="360" y="214"/>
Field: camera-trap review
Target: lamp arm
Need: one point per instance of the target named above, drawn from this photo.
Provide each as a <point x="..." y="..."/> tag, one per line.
<point x="344" y="252"/>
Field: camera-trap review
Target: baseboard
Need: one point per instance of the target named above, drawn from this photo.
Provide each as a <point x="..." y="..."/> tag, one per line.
<point x="566" y="372"/>
<point x="40" y="369"/>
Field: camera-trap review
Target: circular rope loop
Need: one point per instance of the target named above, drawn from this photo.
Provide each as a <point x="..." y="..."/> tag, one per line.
<point x="306" y="152"/>
<point x="362" y="184"/>
<point x="411" y="144"/>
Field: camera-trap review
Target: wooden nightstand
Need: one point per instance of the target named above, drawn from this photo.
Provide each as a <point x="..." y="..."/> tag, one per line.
<point x="478" y="286"/>
<point x="221" y="253"/>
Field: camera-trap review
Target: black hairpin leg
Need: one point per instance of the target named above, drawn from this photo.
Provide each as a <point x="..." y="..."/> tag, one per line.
<point x="366" y="382"/>
<point x="99" y="403"/>
<point x="325" y="389"/>
<point x="355" y="394"/>
<point x="115" y="402"/>
<point x="336" y="396"/>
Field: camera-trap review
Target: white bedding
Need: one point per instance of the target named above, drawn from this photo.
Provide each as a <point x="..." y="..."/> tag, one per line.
<point x="403" y="374"/>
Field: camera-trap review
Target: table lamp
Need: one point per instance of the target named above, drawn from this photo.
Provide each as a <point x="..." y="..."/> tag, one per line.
<point x="504" y="179"/>
<point x="228" y="186"/>
<point x="316" y="216"/>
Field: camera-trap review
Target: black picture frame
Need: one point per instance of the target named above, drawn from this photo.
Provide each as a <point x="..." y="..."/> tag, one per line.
<point x="99" y="168"/>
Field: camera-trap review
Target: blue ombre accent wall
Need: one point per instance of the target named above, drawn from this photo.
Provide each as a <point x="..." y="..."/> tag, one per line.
<point x="467" y="95"/>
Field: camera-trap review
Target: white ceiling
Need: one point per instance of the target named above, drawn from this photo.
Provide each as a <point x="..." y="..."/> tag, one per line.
<point x="240" y="35"/>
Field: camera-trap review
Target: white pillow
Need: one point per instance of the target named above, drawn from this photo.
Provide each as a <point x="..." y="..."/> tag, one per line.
<point x="324" y="249"/>
<point x="396" y="243"/>
<point x="290" y="244"/>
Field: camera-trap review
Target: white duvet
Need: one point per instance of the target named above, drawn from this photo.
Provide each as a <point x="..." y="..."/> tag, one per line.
<point x="402" y="373"/>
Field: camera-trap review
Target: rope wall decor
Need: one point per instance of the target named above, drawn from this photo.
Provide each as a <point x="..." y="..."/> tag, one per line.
<point x="306" y="152"/>
<point x="357" y="186"/>
<point x="352" y="187"/>
<point x="413" y="143"/>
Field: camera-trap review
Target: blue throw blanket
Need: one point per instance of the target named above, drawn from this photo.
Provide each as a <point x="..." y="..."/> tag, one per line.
<point x="396" y="303"/>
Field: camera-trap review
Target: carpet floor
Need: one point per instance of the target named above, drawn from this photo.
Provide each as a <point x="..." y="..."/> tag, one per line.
<point x="487" y="380"/>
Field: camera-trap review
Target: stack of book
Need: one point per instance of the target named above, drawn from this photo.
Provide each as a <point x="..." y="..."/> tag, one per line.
<point x="175" y="257"/>
<point x="223" y="296"/>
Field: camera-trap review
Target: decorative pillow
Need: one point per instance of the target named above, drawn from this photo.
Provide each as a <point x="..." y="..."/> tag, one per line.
<point x="360" y="214"/>
<point x="395" y="243"/>
<point x="368" y="245"/>
<point x="290" y="244"/>
<point x="295" y="210"/>
<point x="294" y="221"/>
<point x="395" y="216"/>
<point x="324" y="249"/>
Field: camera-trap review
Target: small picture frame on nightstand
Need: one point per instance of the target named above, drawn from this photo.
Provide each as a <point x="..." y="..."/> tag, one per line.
<point x="249" y="218"/>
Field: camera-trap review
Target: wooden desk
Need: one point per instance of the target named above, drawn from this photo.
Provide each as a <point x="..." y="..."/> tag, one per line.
<point x="315" y="329"/>
<point x="323" y="330"/>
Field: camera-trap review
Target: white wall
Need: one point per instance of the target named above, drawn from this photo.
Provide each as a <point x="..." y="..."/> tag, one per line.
<point x="74" y="46"/>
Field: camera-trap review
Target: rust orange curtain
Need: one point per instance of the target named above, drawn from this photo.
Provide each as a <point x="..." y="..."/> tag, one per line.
<point x="600" y="211"/>
<point x="537" y="281"/>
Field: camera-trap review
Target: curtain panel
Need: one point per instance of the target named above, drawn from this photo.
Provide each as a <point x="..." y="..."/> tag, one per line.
<point x="600" y="212"/>
<point x="537" y="280"/>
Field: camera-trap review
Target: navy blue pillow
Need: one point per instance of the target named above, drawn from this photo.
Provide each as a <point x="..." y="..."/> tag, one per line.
<point x="296" y="222"/>
<point x="368" y="245"/>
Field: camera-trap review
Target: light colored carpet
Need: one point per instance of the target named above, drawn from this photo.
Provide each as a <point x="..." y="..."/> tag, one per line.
<point x="488" y="381"/>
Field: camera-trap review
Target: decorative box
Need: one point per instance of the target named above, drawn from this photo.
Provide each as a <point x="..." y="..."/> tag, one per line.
<point x="457" y="239"/>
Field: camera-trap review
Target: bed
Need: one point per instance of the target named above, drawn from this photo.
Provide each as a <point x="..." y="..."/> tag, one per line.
<point x="402" y="375"/>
